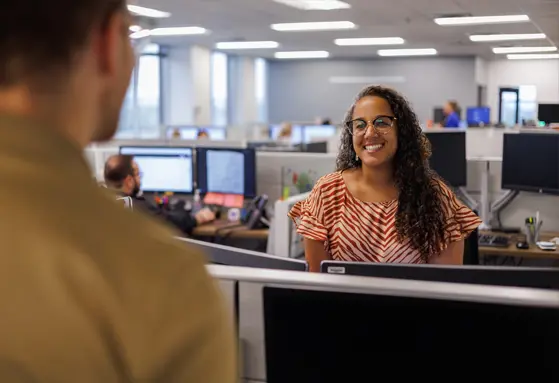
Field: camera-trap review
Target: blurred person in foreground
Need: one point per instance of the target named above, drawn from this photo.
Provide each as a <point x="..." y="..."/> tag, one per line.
<point x="89" y="292"/>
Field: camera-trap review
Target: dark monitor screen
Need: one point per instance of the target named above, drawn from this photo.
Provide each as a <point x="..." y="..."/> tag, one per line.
<point x="477" y="116"/>
<point x="325" y="336"/>
<point x="449" y="156"/>
<point x="231" y="256"/>
<point x="549" y="113"/>
<point x="544" y="278"/>
<point x="438" y="115"/>
<point x="531" y="162"/>
<point x="227" y="171"/>
<point x="164" y="169"/>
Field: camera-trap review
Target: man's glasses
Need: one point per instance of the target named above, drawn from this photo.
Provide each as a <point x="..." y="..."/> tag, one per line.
<point x="381" y="125"/>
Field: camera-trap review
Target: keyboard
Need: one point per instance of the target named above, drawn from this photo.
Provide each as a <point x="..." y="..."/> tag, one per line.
<point x="488" y="240"/>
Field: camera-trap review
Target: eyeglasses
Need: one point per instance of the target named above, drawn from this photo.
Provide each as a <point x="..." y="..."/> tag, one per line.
<point x="381" y="125"/>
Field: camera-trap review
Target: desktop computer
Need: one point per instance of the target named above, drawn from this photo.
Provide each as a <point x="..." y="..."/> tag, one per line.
<point x="478" y="116"/>
<point x="409" y="334"/>
<point x="531" y="162"/>
<point x="544" y="278"/>
<point x="226" y="171"/>
<point x="316" y="132"/>
<point x="548" y="113"/>
<point x="164" y="169"/>
<point x="448" y="157"/>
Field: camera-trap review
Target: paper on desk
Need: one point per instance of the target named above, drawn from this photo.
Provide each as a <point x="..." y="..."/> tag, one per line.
<point x="234" y="200"/>
<point x="225" y="200"/>
<point x="214" y="199"/>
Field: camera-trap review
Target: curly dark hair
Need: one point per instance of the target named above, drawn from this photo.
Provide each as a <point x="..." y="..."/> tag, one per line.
<point x="420" y="215"/>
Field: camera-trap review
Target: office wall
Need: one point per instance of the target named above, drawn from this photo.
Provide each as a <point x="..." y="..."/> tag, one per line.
<point x="303" y="90"/>
<point x="544" y="74"/>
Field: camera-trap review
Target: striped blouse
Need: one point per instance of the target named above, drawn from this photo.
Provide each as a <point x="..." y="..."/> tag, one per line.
<point x="353" y="230"/>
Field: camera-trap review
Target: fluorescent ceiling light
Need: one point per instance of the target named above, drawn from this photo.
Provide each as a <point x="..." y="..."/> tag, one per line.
<point x="319" y="26"/>
<point x="481" y="20"/>
<point x="135" y="28"/>
<point x="315" y="5"/>
<point x="507" y="50"/>
<point x="178" y="31"/>
<point x="407" y="52"/>
<point x="247" y="45"/>
<point x="140" y="34"/>
<point x="534" y="56"/>
<point x="302" y="55"/>
<point x="509" y="37"/>
<point x="148" y="12"/>
<point x="370" y="41"/>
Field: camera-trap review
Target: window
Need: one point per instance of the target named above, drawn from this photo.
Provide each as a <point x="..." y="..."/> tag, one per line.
<point x="219" y="88"/>
<point x="261" y="81"/>
<point x="528" y="105"/>
<point x="141" y="112"/>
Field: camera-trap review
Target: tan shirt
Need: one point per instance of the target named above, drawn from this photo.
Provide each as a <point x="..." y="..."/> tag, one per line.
<point x="89" y="291"/>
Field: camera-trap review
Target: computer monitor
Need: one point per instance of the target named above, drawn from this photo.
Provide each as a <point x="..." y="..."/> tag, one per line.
<point x="186" y="132"/>
<point x="216" y="133"/>
<point x="296" y="133"/>
<point x="316" y="335"/>
<point x="438" y="115"/>
<point x="232" y="256"/>
<point x="164" y="169"/>
<point x="227" y="171"/>
<point x="531" y="162"/>
<point x="544" y="278"/>
<point x="448" y="156"/>
<point x="478" y="116"/>
<point x="313" y="132"/>
<point x="548" y="113"/>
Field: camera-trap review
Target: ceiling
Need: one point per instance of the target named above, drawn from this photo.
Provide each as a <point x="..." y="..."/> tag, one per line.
<point x="232" y="20"/>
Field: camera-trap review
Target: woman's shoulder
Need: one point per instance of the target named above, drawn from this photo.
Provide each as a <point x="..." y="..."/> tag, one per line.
<point x="330" y="180"/>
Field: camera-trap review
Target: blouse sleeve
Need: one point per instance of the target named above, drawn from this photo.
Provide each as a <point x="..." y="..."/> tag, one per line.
<point x="461" y="221"/>
<point x="308" y="216"/>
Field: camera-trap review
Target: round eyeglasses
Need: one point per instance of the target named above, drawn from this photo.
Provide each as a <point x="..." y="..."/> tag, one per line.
<point x="381" y="125"/>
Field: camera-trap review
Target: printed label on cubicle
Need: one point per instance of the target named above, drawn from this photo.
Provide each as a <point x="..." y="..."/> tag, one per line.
<point x="336" y="270"/>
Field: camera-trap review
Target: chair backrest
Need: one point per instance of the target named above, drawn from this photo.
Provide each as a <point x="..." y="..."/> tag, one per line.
<point x="471" y="249"/>
<point x="127" y="201"/>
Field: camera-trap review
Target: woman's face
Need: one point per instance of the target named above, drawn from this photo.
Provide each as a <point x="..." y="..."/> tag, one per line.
<point x="375" y="131"/>
<point x="448" y="109"/>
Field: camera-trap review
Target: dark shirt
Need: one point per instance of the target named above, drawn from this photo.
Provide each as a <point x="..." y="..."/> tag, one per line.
<point x="178" y="217"/>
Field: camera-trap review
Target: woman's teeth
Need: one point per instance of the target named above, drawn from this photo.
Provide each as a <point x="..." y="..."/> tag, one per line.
<point x="374" y="148"/>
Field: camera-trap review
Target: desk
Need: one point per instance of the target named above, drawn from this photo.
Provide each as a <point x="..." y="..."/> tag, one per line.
<point x="220" y="229"/>
<point x="512" y="251"/>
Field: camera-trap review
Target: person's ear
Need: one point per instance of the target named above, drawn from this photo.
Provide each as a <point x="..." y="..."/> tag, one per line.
<point x="109" y="43"/>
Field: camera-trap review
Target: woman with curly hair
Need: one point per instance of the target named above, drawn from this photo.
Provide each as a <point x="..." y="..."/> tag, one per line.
<point x="384" y="203"/>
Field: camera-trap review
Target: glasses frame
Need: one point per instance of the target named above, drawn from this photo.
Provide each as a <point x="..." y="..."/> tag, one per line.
<point x="370" y="123"/>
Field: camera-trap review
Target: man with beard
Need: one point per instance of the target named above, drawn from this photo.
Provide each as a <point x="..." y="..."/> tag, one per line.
<point x="89" y="292"/>
<point x="122" y="174"/>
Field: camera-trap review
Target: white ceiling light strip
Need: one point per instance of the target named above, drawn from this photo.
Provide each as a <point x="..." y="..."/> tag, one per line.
<point x="318" y="26"/>
<point x="178" y="31"/>
<point x="315" y="5"/>
<point x="247" y="45"/>
<point x="147" y="12"/>
<point x="534" y="56"/>
<point x="407" y="52"/>
<point x="508" y="50"/>
<point x="479" y="20"/>
<point x="302" y="55"/>
<point x="507" y="37"/>
<point x="370" y="41"/>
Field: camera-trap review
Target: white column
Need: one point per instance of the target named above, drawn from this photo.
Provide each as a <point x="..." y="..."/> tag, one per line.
<point x="200" y="60"/>
<point x="243" y="106"/>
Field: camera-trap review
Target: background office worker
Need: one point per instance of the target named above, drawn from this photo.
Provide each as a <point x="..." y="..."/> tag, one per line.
<point x="384" y="204"/>
<point x="89" y="292"/>
<point x="452" y="114"/>
<point x="122" y="174"/>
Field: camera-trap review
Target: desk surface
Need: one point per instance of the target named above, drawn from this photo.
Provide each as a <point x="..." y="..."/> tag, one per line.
<point x="231" y="230"/>
<point x="512" y="251"/>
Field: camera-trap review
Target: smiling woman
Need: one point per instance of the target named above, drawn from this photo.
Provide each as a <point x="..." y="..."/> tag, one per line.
<point x="384" y="204"/>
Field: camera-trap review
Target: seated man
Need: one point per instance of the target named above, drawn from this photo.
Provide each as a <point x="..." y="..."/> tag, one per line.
<point x="123" y="175"/>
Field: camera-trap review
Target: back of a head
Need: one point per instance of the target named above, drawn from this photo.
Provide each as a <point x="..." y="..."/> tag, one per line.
<point x="117" y="168"/>
<point x="59" y="48"/>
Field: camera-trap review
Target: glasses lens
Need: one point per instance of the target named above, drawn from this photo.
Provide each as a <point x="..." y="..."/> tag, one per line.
<point x="358" y="126"/>
<point x="383" y="123"/>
